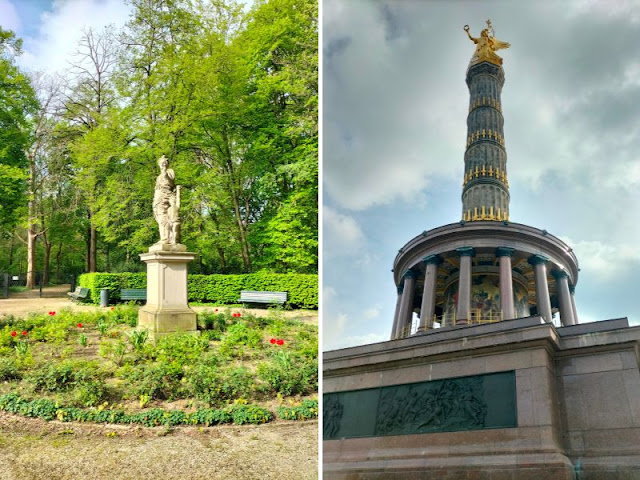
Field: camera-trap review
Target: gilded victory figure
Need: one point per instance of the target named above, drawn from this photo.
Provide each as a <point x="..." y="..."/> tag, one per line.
<point x="166" y="204"/>
<point x="486" y="46"/>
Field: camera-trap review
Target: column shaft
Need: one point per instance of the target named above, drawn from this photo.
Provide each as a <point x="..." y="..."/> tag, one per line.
<point x="542" y="287"/>
<point x="428" y="307"/>
<point x="464" y="287"/>
<point x="406" y="305"/>
<point x="506" y="283"/>
<point x="573" y="305"/>
<point x="396" y="314"/>
<point x="566" y="309"/>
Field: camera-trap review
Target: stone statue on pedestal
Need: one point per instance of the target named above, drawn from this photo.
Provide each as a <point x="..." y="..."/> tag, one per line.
<point x="167" y="308"/>
<point x="166" y="204"/>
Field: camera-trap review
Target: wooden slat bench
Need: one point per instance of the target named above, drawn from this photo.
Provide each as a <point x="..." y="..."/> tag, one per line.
<point x="250" y="296"/>
<point x="79" y="294"/>
<point x="133" y="294"/>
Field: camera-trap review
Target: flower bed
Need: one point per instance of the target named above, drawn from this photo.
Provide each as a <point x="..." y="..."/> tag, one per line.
<point x="95" y="366"/>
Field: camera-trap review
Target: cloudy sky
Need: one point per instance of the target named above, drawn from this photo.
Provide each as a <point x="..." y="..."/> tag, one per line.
<point x="394" y="127"/>
<point x="51" y="29"/>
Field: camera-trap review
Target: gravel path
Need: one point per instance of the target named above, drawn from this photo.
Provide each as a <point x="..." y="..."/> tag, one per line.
<point x="55" y="298"/>
<point x="34" y="449"/>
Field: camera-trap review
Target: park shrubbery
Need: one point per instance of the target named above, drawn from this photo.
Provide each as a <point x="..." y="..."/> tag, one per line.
<point x="94" y="366"/>
<point x="302" y="289"/>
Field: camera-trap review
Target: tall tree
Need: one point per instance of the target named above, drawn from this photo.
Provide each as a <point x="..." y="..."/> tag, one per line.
<point x="17" y="104"/>
<point x="90" y="96"/>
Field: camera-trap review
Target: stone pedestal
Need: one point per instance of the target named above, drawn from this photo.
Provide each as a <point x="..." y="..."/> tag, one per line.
<point x="167" y="309"/>
<point x="518" y="399"/>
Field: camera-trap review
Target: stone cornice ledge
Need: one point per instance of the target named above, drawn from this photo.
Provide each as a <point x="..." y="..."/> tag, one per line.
<point x="446" y="342"/>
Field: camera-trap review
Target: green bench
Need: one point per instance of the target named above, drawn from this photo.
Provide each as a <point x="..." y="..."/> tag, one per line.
<point x="133" y="294"/>
<point x="250" y="296"/>
<point x="79" y="294"/>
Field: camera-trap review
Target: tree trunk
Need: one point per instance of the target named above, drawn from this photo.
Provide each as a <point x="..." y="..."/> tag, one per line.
<point x="47" y="259"/>
<point x="93" y="250"/>
<point x="58" y="257"/>
<point x="223" y="262"/>
<point x="88" y="256"/>
<point x="11" y="252"/>
<point x="32" y="236"/>
<point x="246" y="260"/>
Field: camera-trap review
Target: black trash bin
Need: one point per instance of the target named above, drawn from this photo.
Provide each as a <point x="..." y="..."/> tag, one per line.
<point x="104" y="297"/>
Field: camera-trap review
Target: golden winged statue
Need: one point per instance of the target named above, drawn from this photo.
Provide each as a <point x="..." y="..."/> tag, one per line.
<point x="486" y="46"/>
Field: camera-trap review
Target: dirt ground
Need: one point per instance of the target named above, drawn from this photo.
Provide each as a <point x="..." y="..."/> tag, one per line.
<point x="32" y="449"/>
<point x="55" y="298"/>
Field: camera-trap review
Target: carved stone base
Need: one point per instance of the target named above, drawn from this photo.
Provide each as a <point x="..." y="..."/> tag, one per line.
<point x="163" y="321"/>
<point x="167" y="309"/>
<point x="167" y="247"/>
<point x="577" y="404"/>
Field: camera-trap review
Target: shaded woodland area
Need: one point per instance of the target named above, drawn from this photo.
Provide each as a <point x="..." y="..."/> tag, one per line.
<point x="231" y="97"/>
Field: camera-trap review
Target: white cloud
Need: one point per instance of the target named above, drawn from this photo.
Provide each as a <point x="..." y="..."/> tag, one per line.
<point x="61" y="28"/>
<point x="342" y="234"/>
<point x="372" y="312"/>
<point x="602" y="259"/>
<point x="9" y="19"/>
<point x="355" y="340"/>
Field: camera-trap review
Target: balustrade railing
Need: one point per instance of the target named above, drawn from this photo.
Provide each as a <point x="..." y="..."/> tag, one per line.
<point x="476" y="317"/>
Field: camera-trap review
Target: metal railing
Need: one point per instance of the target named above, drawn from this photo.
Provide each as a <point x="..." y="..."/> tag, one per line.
<point x="476" y="317"/>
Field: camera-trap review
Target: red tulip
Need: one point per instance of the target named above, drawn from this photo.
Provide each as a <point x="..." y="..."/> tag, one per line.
<point x="239" y="315"/>
<point x="25" y="333"/>
<point x="113" y="308"/>
<point x="216" y="310"/>
<point x="14" y="333"/>
<point x="273" y="340"/>
<point x="280" y="342"/>
<point x="52" y="313"/>
<point x="79" y="325"/>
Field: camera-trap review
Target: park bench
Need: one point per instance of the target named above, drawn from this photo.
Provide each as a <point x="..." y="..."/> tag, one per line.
<point x="79" y="294"/>
<point x="250" y="296"/>
<point x="133" y="294"/>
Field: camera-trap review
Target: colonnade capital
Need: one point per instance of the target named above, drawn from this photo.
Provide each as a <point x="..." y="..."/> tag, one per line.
<point x="537" y="259"/>
<point x="410" y="274"/>
<point x="432" y="259"/>
<point x="505" y="251"/>
<point x="558" y="274"/>
<point x="466" y="251"/>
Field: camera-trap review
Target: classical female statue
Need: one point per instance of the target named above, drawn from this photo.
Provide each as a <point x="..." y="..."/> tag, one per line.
<point x="486" y="46"/>
<point x="166" y="203"/>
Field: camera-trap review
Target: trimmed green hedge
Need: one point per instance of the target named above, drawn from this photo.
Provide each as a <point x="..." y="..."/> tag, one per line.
<point x="225" y="289"/>
<point x="113" y="281"/>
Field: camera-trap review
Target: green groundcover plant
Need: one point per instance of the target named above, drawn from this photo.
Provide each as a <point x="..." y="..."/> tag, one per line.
<point x="98" y="367"/>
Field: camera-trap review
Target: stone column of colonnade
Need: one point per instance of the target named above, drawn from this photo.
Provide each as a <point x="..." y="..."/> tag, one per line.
<point x="506" y="282"/>
<point x="397" y="311"/>
<point x="464" y="286"/>
<point x="543" y="301"/>
<point x="564" y="296"/>
<point x="406" y="303"/>
<point x="572" y="291"/>
<point x="428" y="307"/>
